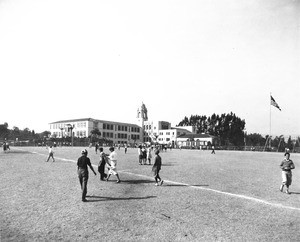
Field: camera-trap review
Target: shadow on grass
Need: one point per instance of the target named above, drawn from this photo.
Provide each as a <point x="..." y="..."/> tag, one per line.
<point x="136" y="181"/>
<point x="295" y="192"/>
<point x="14" y="152"/>
<point x="169" y="164"/>
<point x="100" y="199"/>
<point x="182" y="185"/>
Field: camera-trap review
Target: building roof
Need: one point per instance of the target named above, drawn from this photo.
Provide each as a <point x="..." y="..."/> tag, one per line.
<point x="92" y="119"/>
<point x="196" y="136"/>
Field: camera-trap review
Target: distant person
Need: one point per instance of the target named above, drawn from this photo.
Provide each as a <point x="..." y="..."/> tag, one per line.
<point x="113" y="164"/>
<point x="51" y="153"/>
<point x="140" y="154"/>
<point x="156" y="168"/>
<point x="4" y="146"/>
<point x="149" y="155"/>
<point x="101" y="165"/>
<point x="213" y="150"/>
<point x="83" y="174"/>
<point x="144" y="155"/>
<point x="286" y="166"/>
<point x="125" y="148"/>
<point x="96" y="147"/>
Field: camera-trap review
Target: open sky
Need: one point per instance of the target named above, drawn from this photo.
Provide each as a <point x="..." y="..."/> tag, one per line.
<point x="102" y="59"/>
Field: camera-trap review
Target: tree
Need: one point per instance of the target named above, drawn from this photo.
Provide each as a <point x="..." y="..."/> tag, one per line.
<point x="4" y="131"/>
<point x="95" y="133"/>
<point x="228" y="127"/>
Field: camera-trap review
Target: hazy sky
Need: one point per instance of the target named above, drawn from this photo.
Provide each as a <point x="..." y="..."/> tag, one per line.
<point x="102" y="59"/>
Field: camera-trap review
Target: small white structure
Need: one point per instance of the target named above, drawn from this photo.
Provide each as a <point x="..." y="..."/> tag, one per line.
<point x="200" y="141"/>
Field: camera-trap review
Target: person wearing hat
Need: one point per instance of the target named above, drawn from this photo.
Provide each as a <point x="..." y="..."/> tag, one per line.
<point x="286" y="166"/>
<point x="83" y="173"/>
<point x="156" y="168"/>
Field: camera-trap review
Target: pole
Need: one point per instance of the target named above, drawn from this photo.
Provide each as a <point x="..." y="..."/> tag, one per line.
<point x="270" y="120"/>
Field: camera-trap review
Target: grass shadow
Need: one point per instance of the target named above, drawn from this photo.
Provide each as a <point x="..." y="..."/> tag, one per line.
<point x="295" y="193"/>
<point x="100" y="198"/>
<point x="14" y="152"/>
<point x="137" y="181"/>
<point x="182" y="185"/>
<point x="169" y="164"/>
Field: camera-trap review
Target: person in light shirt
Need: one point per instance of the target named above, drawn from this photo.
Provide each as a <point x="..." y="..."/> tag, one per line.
<point x="51" y="154"/>
<point x="113" y="164"/>
<point x="286" y="166"/>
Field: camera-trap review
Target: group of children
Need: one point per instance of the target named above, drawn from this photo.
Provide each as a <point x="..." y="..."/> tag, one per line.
<point x="110" y="161"/>
<point x="5" y="146"/>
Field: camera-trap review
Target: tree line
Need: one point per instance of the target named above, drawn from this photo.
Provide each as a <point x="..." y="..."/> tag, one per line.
<point x="231" y="131"/>
<point x="17" y="134"/>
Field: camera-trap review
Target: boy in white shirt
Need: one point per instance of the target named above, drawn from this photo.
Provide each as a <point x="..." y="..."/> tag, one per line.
<point x="113" y="164"/>
<point x="51" y="153"/>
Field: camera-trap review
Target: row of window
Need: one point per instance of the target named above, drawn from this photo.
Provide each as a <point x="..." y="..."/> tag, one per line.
<point x="64" y="125"/>
<point x="120" y="128"/>
<point x="167" y="133"/>
<point x="120" y="136"/>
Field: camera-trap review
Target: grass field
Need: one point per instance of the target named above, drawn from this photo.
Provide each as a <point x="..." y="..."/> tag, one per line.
<point x="229" y="196"/>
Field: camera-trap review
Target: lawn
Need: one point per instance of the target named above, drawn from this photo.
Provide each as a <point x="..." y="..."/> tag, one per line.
<point x="229" y="196"/>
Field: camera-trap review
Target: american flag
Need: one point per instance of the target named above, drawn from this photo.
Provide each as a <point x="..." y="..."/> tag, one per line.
<point x="274" y="103"/>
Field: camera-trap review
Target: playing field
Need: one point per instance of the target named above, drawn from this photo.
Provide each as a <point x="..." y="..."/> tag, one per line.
<point x="229" y="196"/>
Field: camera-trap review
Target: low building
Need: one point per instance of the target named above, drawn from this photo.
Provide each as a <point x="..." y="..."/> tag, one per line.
<point x="117" y="132"/>
<point x="200" y="141"/>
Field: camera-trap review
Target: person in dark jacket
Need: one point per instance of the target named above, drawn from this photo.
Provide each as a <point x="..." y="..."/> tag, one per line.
<point x="156" y="168"/>
<point x="83" y="173"/>
<point x="101" y="165"/>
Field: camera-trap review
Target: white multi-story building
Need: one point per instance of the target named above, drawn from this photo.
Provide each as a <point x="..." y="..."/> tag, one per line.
<point x="162" y="132"/>
<point x="121" y="133"/>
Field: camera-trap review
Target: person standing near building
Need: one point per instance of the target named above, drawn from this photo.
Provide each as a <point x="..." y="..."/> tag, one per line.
<point x="51" y="153"/>
<point x="83" y="174"/>
<point x="140" y="154"/>
<point x="101" y="165"/>
<point x="113" y="164"/>
<point x="4" y="146"/>
<point x="96" y="147"/>
<point x="286" y="166"/>
<point x="125" y="148"/>
<point x="149" y="155"/>
<point x="144" y="155"/>
<point x="156" y="168"/>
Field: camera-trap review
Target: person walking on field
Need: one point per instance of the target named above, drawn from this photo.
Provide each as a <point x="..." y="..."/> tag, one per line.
<point x="83" y="173"/>
<point x="213" y="150"/>
<point x="286" y="166"/>
<point x="113" y="164"/>
<point x="101" y="165"/>
<point x="156" y="168"/>
<point x="51" y="153"/>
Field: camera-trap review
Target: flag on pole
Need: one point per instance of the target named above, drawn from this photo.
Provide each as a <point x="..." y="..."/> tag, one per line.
<point x="274" y="103"/>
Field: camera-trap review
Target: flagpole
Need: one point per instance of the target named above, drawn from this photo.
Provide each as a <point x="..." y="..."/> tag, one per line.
<point x="270" y="115"/>
<point x="270" y="121"/>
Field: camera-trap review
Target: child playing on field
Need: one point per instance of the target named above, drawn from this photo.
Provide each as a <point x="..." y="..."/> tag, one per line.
<point x="51" y="153"/>
<point x="156" y="168"/>
<point x="286" y="166"/>
<point x="113" y="164"/>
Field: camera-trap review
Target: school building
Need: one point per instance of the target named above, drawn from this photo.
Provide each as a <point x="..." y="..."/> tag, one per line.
<point x="119" y="133"/>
